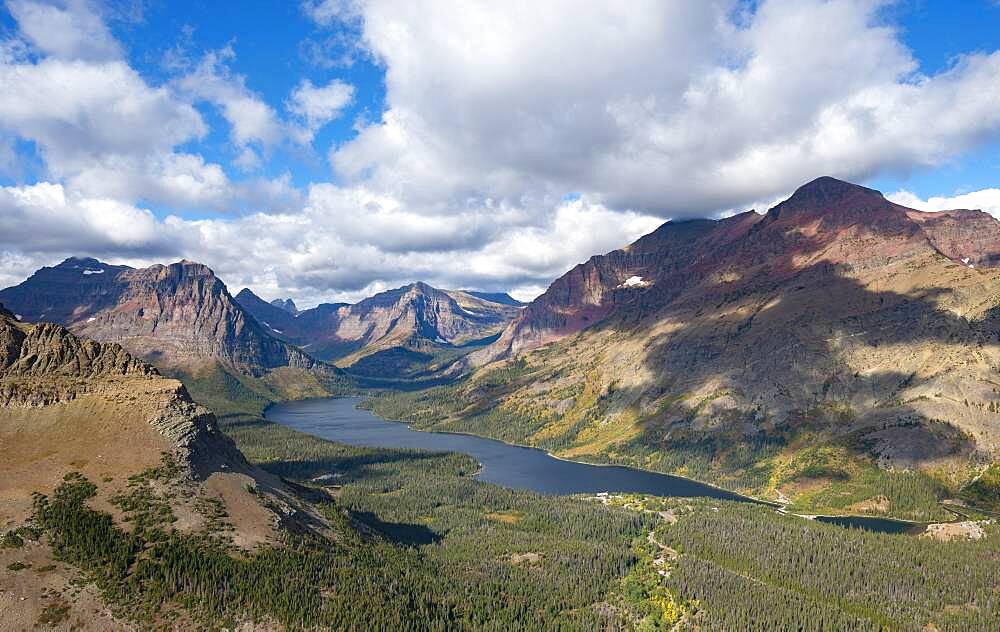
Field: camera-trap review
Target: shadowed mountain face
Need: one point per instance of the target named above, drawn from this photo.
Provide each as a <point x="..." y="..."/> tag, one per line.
<point x="836" y="312"/>
<point x="416" y="318"/>
<point x="826" y="220"/>
<point x="495" y="297"/>
<point x="179" y="315"/>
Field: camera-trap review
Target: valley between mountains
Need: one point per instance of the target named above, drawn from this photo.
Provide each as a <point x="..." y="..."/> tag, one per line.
<point x="836" y="354"/>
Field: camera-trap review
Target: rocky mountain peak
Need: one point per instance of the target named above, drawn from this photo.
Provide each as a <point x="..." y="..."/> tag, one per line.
<point x="826" y="222"/>
<point x="179" y="314"/>
<point x="287" y="304"/>
<point x="827" y="190"/>
<point x="80" y="262"/>
<point x="42" y="364"/>
<point x="183" y="269"/>
<point x="416" y="289"/>
<point x="829" y="196"/>
<point x="88" y="269"/>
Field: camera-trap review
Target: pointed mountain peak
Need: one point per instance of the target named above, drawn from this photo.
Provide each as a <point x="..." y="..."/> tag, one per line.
<point x="86" y="266"/>
<point x="827" y="191"/>
<point x="417" y="288"/>
<point x="286" y="304"/>
<point x="831" y="198"/>
<point x="81" y="262"/>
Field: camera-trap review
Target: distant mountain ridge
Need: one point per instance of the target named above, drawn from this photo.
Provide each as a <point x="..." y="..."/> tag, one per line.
<point x="287" y="304"/>
<point x="175" y="315"/>
<point x="502" y="298"/>
<point x="181" y="317"/>
<point x="415" y="317"/>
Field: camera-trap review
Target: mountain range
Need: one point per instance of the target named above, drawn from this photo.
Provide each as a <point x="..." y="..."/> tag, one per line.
<point x="838" y="353"/>
<point x="181" y="317"/>
<point x="391" y="333"/>
<point x="797" y="347"/>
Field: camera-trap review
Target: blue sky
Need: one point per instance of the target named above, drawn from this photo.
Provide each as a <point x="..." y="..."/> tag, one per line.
<point x="273" y="41"/>
<point x="276" y="46"/>
<point x="328" y="149"/>
<point x="938" y="32"/>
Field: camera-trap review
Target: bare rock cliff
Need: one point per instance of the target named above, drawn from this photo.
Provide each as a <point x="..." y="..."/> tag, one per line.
<point x="175" y="315"/>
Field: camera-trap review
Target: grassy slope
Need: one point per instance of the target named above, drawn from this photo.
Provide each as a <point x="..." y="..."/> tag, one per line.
<point x="820" y="472"/>
<point x="985" y="489"/>
<point x="228" y="392"/>
<point x="410" y="360"/>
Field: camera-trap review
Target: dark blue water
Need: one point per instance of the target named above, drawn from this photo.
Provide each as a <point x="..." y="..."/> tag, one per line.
<point x="879" y="525"/>
<point x="512" y="466"/>
<point x="504" y="464"/>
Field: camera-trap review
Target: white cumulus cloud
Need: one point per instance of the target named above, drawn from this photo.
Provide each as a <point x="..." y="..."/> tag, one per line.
<point x="675" y="108"/>
<point x="43" y="218"/>
<point x="251" y="119"/>
<point x="983" y="200"/>
<point x="318" y="105"/>
<point x="72" y="30"/>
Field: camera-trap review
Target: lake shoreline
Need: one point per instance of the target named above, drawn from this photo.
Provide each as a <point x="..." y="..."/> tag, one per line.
<point x="723" y="490"/>
<point x="910" y="526"/>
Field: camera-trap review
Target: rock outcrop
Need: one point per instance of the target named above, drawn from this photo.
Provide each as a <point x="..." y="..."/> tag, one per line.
<point x="44" y="364"/>
<point x="48" y="349"/>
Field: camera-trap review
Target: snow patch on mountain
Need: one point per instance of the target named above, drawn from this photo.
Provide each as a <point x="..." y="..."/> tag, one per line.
<point x="635" y="281"/>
